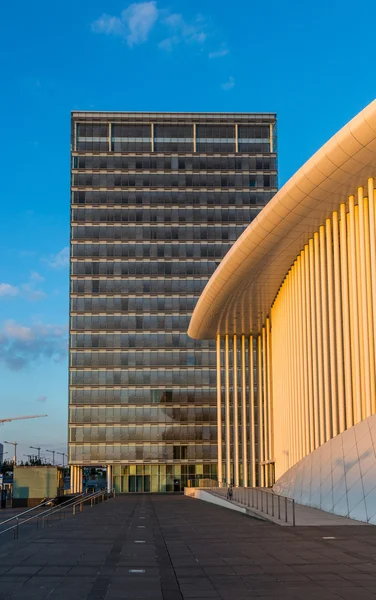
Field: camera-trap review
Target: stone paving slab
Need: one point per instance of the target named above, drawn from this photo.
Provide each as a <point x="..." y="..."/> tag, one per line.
<point x="185" y="549"/>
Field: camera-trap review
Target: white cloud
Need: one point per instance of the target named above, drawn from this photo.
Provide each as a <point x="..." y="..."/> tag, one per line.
<point x="139" y="19"/>
<point x="182" y="31"/>
<point x="229" y="84"/>
<point x="28" y="290"/>
<point x="108" y="25"/>
<point x="22" y="346"/>
<point x="17" y="332"/>
<point x="59" y="260"/>
<point x="218" y="53"/>
<point x="34" y="276"/>
<point x="134" y="24"/>
<point x="6" y="289"/>
<point x="168" y="43"/>
<point x="25" y="290"/>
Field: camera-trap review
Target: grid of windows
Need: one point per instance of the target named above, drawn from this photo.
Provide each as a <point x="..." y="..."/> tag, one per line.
<point x="156" y="203"/>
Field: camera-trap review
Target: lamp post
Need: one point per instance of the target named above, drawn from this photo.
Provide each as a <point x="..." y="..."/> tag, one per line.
<point x="53" y="455"/>
<point x="36" y="448"/>
<point x="15" y="444"/>
<point x="63" y="455"/>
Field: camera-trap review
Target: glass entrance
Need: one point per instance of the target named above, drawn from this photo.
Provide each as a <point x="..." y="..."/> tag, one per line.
<point x="139" y="483"/>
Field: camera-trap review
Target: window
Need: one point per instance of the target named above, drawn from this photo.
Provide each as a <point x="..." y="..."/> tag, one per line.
<point x="180" y="452"/>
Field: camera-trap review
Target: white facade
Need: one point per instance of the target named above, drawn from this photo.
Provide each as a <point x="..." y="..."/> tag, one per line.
<point x="339" y="477"/>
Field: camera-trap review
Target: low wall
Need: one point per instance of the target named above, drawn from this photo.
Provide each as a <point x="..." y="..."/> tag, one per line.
<point x="339" y="477"/>
<point x="207" y="496"/>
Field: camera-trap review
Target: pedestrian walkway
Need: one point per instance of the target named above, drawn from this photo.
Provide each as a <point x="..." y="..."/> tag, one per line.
<point x="173" y="547"/>
<point x="305" y="516"/>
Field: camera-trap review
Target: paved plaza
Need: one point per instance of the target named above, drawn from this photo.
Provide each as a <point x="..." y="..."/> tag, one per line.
<point x="166" y="547"/>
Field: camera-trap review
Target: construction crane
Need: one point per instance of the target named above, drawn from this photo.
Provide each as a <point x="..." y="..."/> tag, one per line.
<point x="19" y="418"/>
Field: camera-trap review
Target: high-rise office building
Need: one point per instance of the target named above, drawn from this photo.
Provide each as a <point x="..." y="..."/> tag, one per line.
<point x="157" y="199"/>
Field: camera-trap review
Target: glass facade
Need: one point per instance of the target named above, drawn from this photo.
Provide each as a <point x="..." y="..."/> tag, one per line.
<point x="157" y="200"/>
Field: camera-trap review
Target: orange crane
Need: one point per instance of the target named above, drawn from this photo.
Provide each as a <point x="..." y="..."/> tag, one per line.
<point x="19" y="418"/>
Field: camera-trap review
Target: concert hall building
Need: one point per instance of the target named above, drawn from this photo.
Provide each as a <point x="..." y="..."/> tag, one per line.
<point x="292" y="309"/>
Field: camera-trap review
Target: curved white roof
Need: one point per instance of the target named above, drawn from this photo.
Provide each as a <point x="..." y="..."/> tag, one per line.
<point x="239" y="295"/>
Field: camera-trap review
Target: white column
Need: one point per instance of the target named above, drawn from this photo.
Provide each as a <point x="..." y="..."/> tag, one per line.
<point x="236" y="411"/>
<point x="71" y="474"/>
<point x="260" y="420"/>
<point x="252" y="456"/>
<point x="219" y="411"/>
<point x="269" y="386"/>
<point x="110" y="483"/>
<point x="244" y="417"/>
<point x="227" y="412"/>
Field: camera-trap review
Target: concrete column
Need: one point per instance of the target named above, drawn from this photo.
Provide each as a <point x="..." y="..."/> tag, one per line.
<point x="346" y="317"/>
<point x="261" y="455"/>
<point x="244" y="414"/>
<point x="372" y="241"/>
<point x="235" y="410"/>
<point x="338" y="325"/>
<point x="252" y="414"/>
<point x="319" y="340"/>
<point x="314" y="344"/>
<point x="310" y="411"/>
<point x="71" y="474"/>
<point x="365" y="283"/>
<point x="370" y="309"/>
<point x="325" y="336"/>
<point x="354" y="314"/>
<point x="110" y="482"/>
<point x="331" y="320"/>
<point x="76" y="479"/>
<point x="227" y="412"/>
<point x="219" y="411"/>
<point x="269" y="394"/>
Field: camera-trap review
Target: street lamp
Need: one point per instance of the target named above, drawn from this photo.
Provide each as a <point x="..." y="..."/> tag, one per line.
<point x="15" y="444"/>
<point x="62" y="454"/>
<point x="36" y="448"/>
<point x="53" y="456"/>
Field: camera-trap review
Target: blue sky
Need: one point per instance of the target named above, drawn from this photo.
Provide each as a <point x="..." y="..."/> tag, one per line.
<point x="312" y="63"/>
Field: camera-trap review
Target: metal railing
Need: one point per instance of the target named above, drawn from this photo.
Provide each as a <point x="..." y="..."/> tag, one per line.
<point x="48" y="516"/>
<point x="263" y="500"/>
<point x="28" y="511"/>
